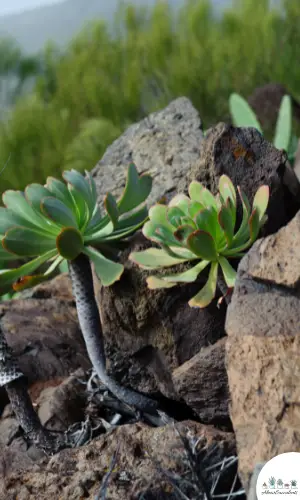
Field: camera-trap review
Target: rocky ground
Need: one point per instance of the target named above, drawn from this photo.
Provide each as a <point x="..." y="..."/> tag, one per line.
<point x="225" y="377"/>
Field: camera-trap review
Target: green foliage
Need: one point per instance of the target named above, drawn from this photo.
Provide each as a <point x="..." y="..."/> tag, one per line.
<point x="244" y="116"/>
<point x="87" y="147"/>
<point x="201" y="227"/>
<point x="60" y="220"/>
<point x="152" y="57"/>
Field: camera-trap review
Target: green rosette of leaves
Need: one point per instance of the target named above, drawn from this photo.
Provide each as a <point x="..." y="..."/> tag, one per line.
<point x="201" y="228"/>
<point x="60" y="220"/>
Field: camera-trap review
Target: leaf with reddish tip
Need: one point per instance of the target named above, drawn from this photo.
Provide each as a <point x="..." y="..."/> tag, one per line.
<point x="26" y="242"/>
<point x="155" y="283"/>
<point x="226" y="222"/>
<point x="227" y="190"/>
<point x="9" y="276"/>
<point x="174" y="215"/>
<point x="242" y="235"/>
<point x="207" y="293"/>
<point x="158" y="216"/>
<point x="154" y="258"/>
<point x="254" y="225"/>
<point x="137" y="189"/>
<point x="188" y="276"/>
<point x="69" y="243"/>
<point x="195" y="190"/>
<point x="206" y="220"/>
<point x="261" y="200"/>
<point x="203" y="245"/>
<point x="182" y="233"/>
<point x="111" y="208"/>
<point x="28" y="282"/>
<point x="107" y="271"/>
<point x="228" y="272"/>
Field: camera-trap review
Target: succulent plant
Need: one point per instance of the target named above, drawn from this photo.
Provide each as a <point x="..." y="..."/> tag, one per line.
<point x="61" y="222"/>
<point x="200" y="228"/>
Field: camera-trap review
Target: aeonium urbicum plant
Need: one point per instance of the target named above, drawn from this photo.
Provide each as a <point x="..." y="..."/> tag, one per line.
<point x="200" y="228"/>
<point x="62" y="221"/>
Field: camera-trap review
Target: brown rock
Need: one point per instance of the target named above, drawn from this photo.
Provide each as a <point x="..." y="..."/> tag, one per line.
<point x="263" y="360"/>
<point x="59" y="407"/>
<point x="265" y="102"/>
<point x="202" y="382"/>
<point x="250" y="161"/>
<point x="45" y="336"/>
<point x="165" y="145"/>
<point x="160" y="322"/>
<point x="81" y="471"/>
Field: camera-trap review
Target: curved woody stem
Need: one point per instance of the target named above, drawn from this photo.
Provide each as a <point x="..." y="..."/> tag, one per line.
<point x="14" y="382"/>
<point x="90" y="324"/>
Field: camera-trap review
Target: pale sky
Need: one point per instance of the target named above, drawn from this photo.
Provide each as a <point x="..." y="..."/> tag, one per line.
<point x="11" y="6"/>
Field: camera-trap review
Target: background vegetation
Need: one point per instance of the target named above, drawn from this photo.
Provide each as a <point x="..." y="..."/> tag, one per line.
<point x="85" y="96"/>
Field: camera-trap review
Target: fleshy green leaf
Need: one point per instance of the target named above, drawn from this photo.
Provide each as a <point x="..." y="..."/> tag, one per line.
<point x="112" y="208"/>
<point x="207" y="220"/>
<point x="242" y="235"/>
<point x="107" y="271"/>
<point x="69" y="243"/>
<point x="138" y="217"/>
<point x="182" y="202"/>
<point x="154" y="258"/>
<point x="226" y="189"/>
<point x="8" y="219"/>
<point x="29" y="281"/>
<point x="137" y="190"/>
<point x="202" y="244"/>
<point x="228" y="272"/>
<point x="208" y="199"/>
<point x="174" y="215"/>
<point x="208" y="292"/>
<point x="261" y="200"/>
<point x="158" y="215"/>
<point x="155" y="283"/>
<point x="227" y="223"/>
<point x="57" y="211"/>
<point x="254" y="225"/>
<point x="60" y="191"/>
<point x="9" y="276"/>
<point x="17" y="203"/>
<point x="34" y="193"/>
<point x="81" y="208"/>
<point x="195" y="190"/>
<point x="92" y="185"/>
<point x="188" y="276"/>
<point x="81" y="185"/>
<point x="283" y="131"/>
<point x="26" y="242"/>
<point x="242" y="114"/>
<point x="182" y="233"/>
<point x="195" y="208"/>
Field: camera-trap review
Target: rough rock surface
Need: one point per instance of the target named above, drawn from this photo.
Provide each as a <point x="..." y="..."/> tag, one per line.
<point x="165" y="145"/>
<point x="202" y="382"/>
<point x="263" y="346"/>
<point x="43" y="331"/>
<point x="78" y="473"/>
<point x="250" y="161"/>
<point x="265" y="101"/>
<point x="158" y="328"/>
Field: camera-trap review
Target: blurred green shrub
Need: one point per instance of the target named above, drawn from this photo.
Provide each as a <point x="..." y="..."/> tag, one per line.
<point x="87" y="95"/>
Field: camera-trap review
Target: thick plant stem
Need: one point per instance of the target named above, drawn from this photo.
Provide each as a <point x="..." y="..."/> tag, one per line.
<point x="14" y="382"/>
<point x="90" y="324"/>
<point x="28" y="419"/>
